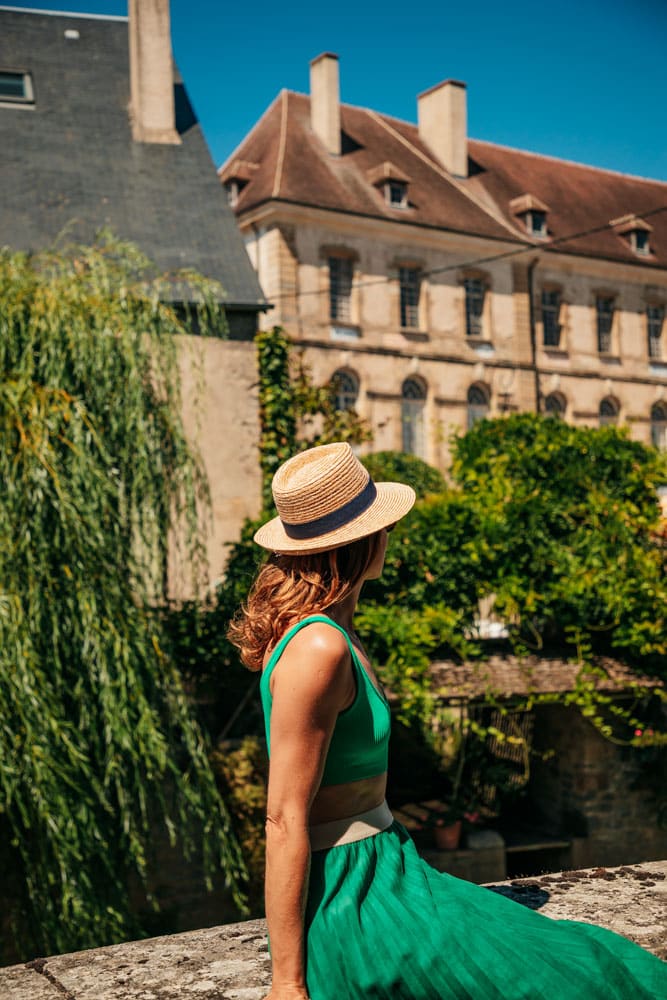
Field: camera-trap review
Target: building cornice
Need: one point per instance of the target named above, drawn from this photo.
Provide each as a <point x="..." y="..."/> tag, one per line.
<point x="378" y="350"/>
<point x="284" y="210"/>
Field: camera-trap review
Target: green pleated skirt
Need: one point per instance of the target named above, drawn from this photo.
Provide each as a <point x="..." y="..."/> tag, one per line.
<point x="381" y="924"/>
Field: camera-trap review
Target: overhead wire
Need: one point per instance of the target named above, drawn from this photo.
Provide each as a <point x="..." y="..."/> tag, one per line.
<point x="525" y="246"/>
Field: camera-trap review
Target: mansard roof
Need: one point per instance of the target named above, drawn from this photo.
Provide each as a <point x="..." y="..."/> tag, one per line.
<point x="294" y="166"/>
<point x="70" y="166"/>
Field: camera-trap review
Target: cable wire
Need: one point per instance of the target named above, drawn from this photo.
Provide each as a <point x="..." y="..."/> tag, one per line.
<point x="478" y="261"/>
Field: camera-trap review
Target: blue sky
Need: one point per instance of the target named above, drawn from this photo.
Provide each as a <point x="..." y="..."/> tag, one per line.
<point x="584" y="80"/>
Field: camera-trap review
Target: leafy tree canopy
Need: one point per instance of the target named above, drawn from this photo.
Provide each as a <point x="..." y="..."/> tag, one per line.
<point x="96" y="737"/>
<point x="398" y="466"/>
<point x="569" y="536"/>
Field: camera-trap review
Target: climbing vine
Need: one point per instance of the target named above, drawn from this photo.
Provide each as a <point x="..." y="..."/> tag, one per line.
<point x="278" y="419"/>
<point x="97" y="743"/>
<point x="295" y="413"/>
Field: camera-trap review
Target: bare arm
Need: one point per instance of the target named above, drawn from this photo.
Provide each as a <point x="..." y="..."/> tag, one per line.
<point x="311" y="684"/>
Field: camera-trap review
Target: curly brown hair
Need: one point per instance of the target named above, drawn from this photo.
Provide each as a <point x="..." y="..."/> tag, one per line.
<point x="288" y="588"/>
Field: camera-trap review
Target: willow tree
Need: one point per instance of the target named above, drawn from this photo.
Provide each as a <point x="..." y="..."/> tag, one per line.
<point x="97" y="743"/>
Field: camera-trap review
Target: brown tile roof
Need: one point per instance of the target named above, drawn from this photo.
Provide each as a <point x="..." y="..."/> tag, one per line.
<point x="508" y="676"/>
<point x="294" y="166"/>
<point x="580" y="198"/>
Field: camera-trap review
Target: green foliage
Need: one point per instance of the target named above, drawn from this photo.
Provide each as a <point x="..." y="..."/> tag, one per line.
<point x="398" y="466"/>
<point x="560" y="525"/>
<point x="242" y="769"/>
<point x="276" y="407"/>
<point x="96" y="739"/>
<point x="568" y="529"/>
<point x="433" y="556"/>
<point x="403" y="642"/>
<point x="221" y="688"/>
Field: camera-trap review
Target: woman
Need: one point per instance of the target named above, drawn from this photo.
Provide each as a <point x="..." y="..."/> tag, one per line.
<point x="353" y="912"/>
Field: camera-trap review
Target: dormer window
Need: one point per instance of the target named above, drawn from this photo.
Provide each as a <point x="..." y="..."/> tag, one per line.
<point x="536" y="223"/>
<point x="533" y="214"/>
<point x="233" y="188"/>
<point x="235" y="176"/>
<point x="396" y="193"/>
<point x="16" y="88"/>
<point x="392" y="183"/>
<point x="635" y="231"/>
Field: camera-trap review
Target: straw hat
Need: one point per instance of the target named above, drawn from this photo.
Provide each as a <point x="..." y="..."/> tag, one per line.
<point x="326" y="498"/>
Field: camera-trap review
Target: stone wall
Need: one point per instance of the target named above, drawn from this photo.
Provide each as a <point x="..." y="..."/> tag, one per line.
<point x="592" y="790"/>
<point x="220" y="412"/>
<point x="232" y="962"/>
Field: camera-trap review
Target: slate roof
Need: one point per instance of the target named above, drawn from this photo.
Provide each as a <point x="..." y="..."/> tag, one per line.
<point x="71" y="162"/>
<point x="509" y="676"/>
<point x="292" y="164"/>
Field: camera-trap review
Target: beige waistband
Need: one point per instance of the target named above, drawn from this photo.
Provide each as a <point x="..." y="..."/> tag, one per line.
<point x="350" y="828"/>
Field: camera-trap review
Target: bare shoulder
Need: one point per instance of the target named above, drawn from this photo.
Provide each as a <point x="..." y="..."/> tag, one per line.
<point x="317" y="658"/>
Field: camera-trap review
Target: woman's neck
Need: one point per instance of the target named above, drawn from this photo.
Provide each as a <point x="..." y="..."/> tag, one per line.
<point x="343" y="613"/>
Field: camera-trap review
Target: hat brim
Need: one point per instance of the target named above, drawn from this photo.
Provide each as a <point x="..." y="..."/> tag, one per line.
<point x="392" y="502"/>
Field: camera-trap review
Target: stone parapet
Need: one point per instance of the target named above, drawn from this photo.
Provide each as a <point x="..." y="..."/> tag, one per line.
<point x="231" y="962"/>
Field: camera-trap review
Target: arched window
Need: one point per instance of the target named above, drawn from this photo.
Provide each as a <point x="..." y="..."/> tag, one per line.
<point x="413" y="398"/>
<point x="554" y="405"/>
<point x="478" y="404"/>
<point x="346" y="387"/>
<point x="608" y="412"/>
<point x="659" y="425"/>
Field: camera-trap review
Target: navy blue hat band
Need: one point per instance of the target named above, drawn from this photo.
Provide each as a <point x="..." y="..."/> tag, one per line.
<point x="337" y="518"/>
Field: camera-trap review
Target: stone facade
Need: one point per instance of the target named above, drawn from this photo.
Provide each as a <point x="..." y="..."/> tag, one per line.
<point x="290" y="253"/>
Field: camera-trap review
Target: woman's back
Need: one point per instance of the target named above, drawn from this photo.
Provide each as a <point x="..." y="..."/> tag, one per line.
<point x="354" y="776"/>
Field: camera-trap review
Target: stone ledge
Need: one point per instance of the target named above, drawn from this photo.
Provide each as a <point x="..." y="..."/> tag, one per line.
<point x="231" y="962"/>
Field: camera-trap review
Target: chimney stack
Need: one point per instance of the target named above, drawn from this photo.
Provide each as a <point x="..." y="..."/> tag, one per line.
<point x="325" y="101"/>
<point x="151" y="72"/>
<point x="442" y="117"/>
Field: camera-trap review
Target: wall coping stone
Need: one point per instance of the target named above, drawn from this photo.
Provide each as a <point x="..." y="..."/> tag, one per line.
<point x="231" y="962"/>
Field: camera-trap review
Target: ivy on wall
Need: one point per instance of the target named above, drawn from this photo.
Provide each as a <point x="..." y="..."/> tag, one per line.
<point x="294" y="412"/>
<point x="277" y="411"/>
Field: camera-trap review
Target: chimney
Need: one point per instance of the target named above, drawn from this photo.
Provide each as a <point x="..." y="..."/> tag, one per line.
<point x="151" y="72"/>
<point x="325" y="101"/>
<point x="442" y="117"/>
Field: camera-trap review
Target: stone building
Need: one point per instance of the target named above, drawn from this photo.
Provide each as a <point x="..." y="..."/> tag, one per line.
<point x="96" y="130"/>
<point x="441" y="278"/>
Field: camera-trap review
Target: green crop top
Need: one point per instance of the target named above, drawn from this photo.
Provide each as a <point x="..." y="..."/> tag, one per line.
<point x="360" y="741"/>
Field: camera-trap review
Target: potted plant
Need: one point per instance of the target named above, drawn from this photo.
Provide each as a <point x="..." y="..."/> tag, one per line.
<point x="447" y="830"/>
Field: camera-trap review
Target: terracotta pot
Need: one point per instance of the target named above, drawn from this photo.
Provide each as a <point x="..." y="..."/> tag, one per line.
<point x="447" y="837"/>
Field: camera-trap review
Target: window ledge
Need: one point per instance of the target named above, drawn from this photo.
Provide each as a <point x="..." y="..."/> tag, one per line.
<point x="411" y="333"/>
<point x="481" y="346"/>
<point x="25" y="105"/>
<point x="556" y="352"/>
<point x="658" y="367"/>
<point x="344" y="331"/>
<point x="610" y="359"/>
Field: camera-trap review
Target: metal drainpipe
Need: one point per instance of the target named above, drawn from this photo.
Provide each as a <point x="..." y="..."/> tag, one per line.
<point x="253" y="226"/>
<point x="533" y="335"/>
